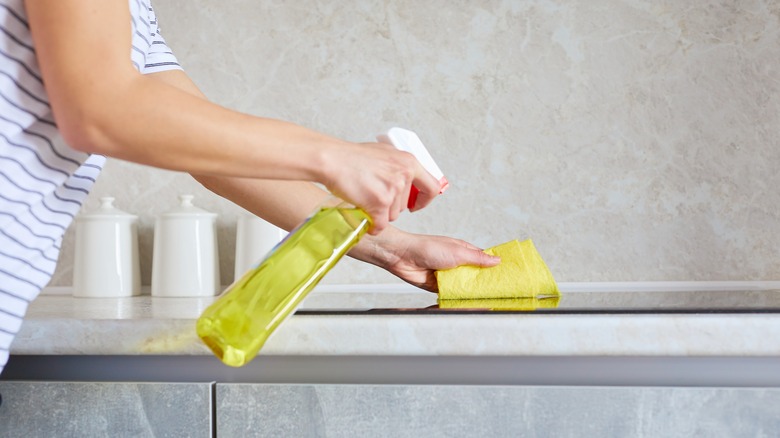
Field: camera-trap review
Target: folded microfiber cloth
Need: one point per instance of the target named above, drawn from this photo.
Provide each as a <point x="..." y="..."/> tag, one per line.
<point x="525" y="303"/>
<point x="522" y="273"/>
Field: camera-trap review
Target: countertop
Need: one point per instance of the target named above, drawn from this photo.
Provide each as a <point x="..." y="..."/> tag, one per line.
<point x="605" y="319"/>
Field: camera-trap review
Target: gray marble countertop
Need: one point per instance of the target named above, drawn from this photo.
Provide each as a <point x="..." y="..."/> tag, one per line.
<point x="58" y="324"/>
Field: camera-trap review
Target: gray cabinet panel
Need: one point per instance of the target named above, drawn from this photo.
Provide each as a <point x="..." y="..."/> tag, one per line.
<point x="261" y="410"/>
<point x="75" y="409"/>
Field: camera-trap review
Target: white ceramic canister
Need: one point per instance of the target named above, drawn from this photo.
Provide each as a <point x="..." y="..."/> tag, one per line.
<point x="106" y="253"/>
<point x="185" y="256"/>
<point x="255" y="238"/>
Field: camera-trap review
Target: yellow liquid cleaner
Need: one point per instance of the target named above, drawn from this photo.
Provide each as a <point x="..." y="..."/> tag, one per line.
<point x="237" y="325"/>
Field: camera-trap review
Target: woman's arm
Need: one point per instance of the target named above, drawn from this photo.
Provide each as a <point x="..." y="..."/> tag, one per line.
<point x="283" y="203"/>
<point x="413" y="258"/>
<point x="103" y="105"/>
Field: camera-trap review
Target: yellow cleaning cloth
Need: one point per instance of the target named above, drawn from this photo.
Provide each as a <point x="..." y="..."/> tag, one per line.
<point x="526" y="303"/>
<point x="522" y="273"/>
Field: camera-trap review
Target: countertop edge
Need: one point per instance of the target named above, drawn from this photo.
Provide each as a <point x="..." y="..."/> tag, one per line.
<point x="428" y="335"/>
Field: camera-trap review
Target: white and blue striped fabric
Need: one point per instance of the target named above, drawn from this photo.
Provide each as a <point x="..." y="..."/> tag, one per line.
<point x="43" y="181"/>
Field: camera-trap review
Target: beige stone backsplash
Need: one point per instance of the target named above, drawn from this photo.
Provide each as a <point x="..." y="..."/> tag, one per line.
<point x="632" y="140"/>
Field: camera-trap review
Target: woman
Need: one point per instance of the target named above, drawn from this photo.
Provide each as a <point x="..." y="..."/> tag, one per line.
<point x="70" y="95"/>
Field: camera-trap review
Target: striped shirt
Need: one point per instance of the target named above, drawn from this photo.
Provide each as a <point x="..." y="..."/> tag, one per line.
<point x="43" y="181"/>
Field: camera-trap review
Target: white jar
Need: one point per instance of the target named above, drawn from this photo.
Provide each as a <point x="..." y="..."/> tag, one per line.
<point x="106" y="253"/>
<point x="185" y="256"/>
<point x="255" y="238"/>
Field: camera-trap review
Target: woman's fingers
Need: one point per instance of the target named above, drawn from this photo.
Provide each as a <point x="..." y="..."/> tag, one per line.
<point x="428" y="188"/>
<point x="379" y="179"/>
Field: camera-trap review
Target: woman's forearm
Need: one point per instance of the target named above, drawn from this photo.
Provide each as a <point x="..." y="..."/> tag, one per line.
<point x="144" y="131"/>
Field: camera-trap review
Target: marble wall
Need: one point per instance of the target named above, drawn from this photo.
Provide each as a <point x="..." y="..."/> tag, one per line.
<point x="631" y="139"/>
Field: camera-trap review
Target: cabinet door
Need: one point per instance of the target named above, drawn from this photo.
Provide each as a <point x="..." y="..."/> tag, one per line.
<point x="270" y="410"/>
<point x="76" y="409"/>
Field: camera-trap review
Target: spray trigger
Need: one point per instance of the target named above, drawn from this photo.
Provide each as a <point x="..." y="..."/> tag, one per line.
<point x="408" y="141"/>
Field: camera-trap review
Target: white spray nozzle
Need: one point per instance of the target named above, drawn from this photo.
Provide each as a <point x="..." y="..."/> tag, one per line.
<point x="408" y="141"/>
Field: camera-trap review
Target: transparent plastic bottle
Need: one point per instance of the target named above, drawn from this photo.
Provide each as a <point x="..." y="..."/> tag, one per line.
<point x="237" y="325"/>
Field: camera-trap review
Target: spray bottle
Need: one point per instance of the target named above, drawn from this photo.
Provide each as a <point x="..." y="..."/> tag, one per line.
<point x="238" y="323"/>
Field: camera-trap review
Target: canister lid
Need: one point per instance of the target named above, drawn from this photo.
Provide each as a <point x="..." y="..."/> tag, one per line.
<point x="188" y="209"/>
<point x="107" y="211"/>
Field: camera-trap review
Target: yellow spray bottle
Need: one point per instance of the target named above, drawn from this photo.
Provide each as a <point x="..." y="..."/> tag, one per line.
<point x="236" y="326"/>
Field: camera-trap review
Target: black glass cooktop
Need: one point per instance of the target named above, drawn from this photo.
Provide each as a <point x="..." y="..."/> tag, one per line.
<point x="575" y="302"/>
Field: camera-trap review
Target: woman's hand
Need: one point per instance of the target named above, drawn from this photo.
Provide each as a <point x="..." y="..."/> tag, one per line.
<point x="378" y="178"/>
<point x="415" y="257"/>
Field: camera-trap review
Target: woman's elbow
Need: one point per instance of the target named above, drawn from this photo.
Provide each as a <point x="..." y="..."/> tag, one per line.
<point x="82" y="131"/>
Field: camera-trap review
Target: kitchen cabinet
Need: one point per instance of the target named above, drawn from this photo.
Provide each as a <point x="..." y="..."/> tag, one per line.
<point x="257" y="410"/>
<point x="91" y="409"/>
<point x="77" y="409"/>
